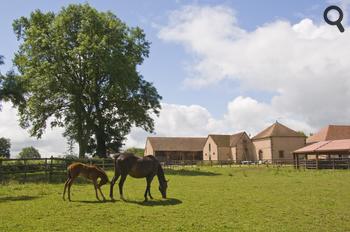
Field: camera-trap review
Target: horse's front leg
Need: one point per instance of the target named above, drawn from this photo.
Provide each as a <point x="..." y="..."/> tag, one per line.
<point x="115" y="178"/>
<point x="146" y="191"/>
<point x="148" y="187"/>
<point x="121" y="183"/>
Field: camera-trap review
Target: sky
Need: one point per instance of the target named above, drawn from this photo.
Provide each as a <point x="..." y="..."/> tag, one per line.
<point x="220" y="66"/>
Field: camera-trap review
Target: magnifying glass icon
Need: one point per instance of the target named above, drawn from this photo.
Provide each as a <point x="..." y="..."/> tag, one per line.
<point x="336" y="22"/>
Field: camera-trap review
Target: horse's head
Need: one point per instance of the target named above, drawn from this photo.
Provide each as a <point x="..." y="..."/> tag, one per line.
<point x="163" y="187"/>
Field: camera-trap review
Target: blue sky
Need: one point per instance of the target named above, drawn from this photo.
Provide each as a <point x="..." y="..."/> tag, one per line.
<point x="248" y="72"/>
<point x="165" y="66"/>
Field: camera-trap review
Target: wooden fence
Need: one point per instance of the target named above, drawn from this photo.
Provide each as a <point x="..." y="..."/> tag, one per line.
<point x="45" y="166"/>
<point x="333" y="163"/>
<point x="49" y="167"/>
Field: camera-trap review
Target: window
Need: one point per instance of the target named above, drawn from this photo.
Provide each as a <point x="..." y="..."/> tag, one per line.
<point x="209" y="147"/>
<point x="281" y="154"/>
<point x="261" y="155"/>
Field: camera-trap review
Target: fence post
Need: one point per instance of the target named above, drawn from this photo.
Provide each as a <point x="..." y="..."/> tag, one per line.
<point x="25" y="170"/>
<point x="348" y="164"/>
<point x="0" y="171"/>
<point x="46" y="177"/>
<point x="103" y="163"/>
<point x="333" y="163"/>
<point x="51" y="168"/>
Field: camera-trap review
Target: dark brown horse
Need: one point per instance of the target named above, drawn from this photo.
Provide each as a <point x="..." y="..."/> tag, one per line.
<point x="145" y="167"/>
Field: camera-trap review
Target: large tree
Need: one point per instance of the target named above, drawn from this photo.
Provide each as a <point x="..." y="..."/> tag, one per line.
<point x="79" y="71"/>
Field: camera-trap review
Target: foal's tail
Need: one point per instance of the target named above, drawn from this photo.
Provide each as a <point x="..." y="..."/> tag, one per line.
<point x="69" y="174"/>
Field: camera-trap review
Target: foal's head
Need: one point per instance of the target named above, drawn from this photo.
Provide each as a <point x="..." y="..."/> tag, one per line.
<point x="103" y="176"/>
<point x="163" y="187"/>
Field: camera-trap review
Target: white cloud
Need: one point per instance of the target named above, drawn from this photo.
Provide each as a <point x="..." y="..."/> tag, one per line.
<point x="304" y="66"/>
<point x="242" y="114"/>
<point x="52" y="142"/>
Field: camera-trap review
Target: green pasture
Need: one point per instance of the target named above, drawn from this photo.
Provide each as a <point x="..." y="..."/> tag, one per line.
<point x="199" y="199"/>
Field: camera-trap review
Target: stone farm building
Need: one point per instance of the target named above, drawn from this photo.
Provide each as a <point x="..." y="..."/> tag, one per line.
<point x="277" y="142"/>
<point x="330" y="132"/>
<point x="328" y="148"/>
<point x="175" y="148"/>
<point x="236" y="147"/>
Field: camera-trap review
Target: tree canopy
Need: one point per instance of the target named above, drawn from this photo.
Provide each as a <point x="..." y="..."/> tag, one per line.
<point x="78" y="70"/>
<point x="5" y="146"/>
<point x="29" y="153"/>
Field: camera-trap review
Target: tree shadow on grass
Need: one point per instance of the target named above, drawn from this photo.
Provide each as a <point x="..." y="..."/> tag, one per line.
<point x="186" y="172"/>
<point x="165" y="202"/>
<point x="17" y="198"/>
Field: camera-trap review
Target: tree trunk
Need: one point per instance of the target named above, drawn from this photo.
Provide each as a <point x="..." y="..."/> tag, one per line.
<point x="101" y="149"/>
<point x="82" y="149"/>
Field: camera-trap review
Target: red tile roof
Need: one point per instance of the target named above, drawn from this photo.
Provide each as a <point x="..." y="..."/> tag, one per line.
<point x="331" y="132"/>
<point x="227" y="140"/>
<point x="331" y="146"/>
<point x="177" y="143"/>
<point x="277" y="130"/>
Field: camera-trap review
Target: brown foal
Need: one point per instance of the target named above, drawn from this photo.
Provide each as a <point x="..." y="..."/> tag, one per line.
<point x="89" y="172"/>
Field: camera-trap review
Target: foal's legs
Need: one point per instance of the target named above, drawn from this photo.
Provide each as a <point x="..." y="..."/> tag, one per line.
<point x="70" y="185"/>
<point x="65" y="187"/>
<point x="96" y="186"/>
<point x="121" y="183"/>
<point x="103" y="197"/>
<point x="115" y="178"/>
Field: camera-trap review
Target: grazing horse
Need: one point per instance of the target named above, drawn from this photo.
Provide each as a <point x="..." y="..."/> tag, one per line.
<point x="89" y="172"/>
<point x="145" y="167"/>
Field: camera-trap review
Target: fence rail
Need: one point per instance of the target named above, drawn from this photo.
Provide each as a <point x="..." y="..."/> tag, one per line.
<point x="48" y="167"/>
<point x="333" y="163"/>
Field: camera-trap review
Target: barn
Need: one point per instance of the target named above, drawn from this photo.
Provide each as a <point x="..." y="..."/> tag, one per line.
<point x="324" y="154"/>
<point x="175" y="148"/>
<point x="277" y="142"/>
<point x="330" y="132"/>
<point x="237" y="147"/>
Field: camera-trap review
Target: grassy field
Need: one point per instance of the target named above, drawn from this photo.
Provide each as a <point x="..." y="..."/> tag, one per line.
<point x="200" y="199"/>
